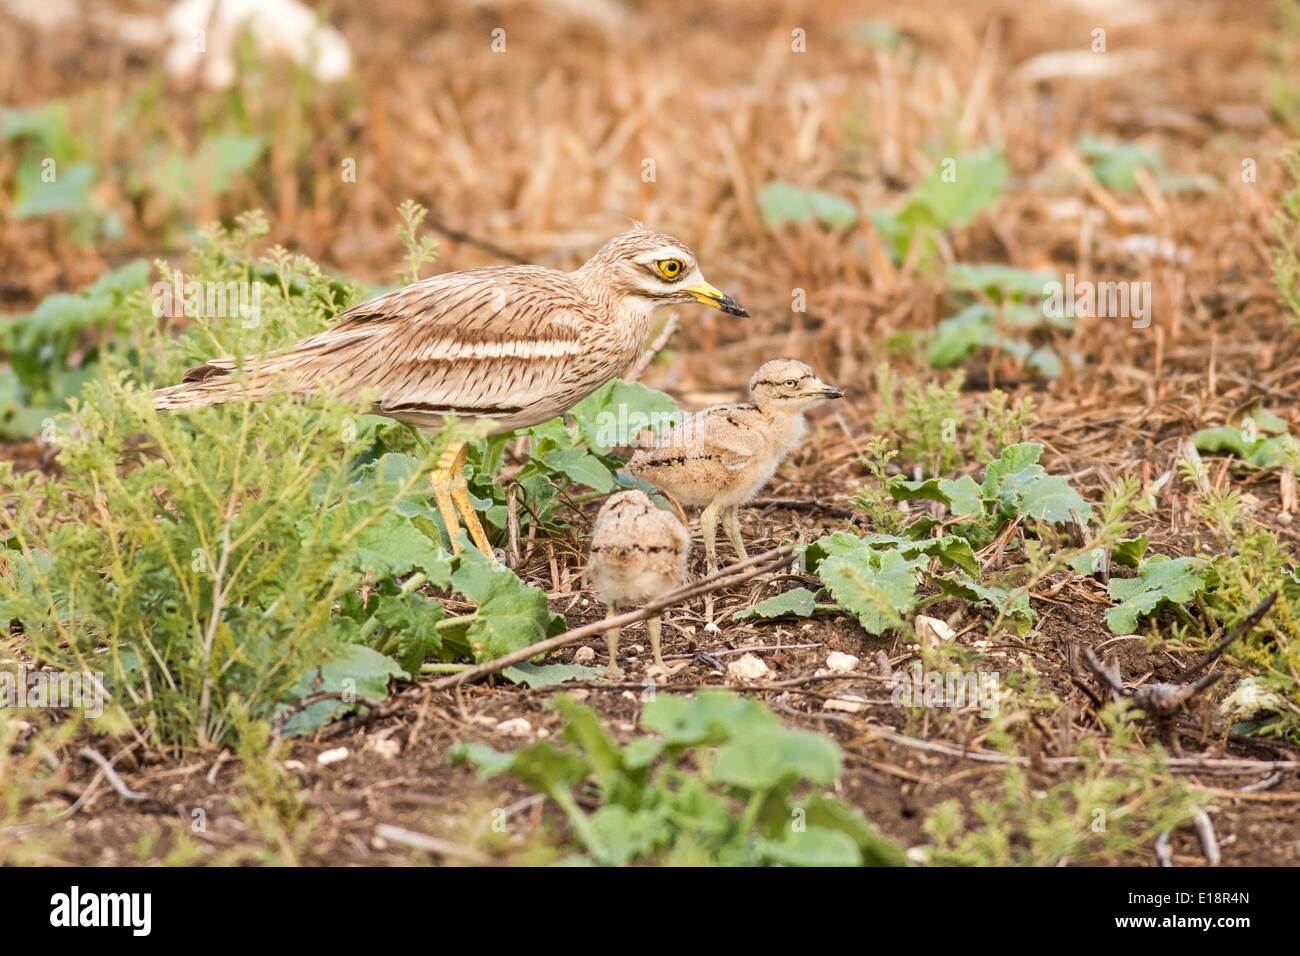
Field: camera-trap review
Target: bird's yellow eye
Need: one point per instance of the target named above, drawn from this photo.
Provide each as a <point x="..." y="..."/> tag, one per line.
<point x="790" y="383"/>
<point x="669" y="268"/>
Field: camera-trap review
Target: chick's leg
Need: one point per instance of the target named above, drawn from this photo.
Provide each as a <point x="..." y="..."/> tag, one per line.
<point x="451" y="491"/>
<point x="613" y="671"/>
<point x="652" y="627"/>
<point x="709" y="529"/>
<point x="731" y="524"/>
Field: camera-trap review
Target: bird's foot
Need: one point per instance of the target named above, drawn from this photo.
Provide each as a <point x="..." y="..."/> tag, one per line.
<point x="661" y="671"/>
<point x="451" y="492"/>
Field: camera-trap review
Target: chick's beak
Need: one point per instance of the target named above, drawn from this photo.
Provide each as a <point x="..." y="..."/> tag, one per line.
<point x="830" y="391"/>
<point x="715" y="297"/>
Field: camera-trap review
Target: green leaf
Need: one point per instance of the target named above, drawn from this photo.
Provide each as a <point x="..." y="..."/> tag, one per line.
<point x="775" y="757"/>
<point x="547" y="675"/>
<point x="962" y="495"/>
<point x="629" y="834"/>
<point x="831" y="814"/>
<point x="222" y="156"/>
<point x="413" y="618"/>
<point x="799" y="602"/>
<point x="389" y="547"/>
<point x="1003" y="282"/>
<point x="957" y="337"/>
<point x="781" y="202"/>
<point x="1114" y="164"/>
<point x="1022" y="487"/>
<point x="1017" y="609"/>
<point x="879" y="587"/>
<point x="1259" y="453"/>
<point x="611" y="416"/>
<point x="709" y="717"/>
<point x="69" y="192"/>
<point x="814" y="846"/>
<point x="956" y="191"/>
<point x="510" y="615"/>
<point x="578" y="464"/>
<point x="1129" y="552"/>
<point x="354" y="669"/>
<point x="1161" y="581"/>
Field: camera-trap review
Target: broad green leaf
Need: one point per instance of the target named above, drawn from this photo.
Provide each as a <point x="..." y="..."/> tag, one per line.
<point x="1160" y="581"/>
<point x="773" y="757"/>
<point x="413" y="618"/>
<point x="1004" y="282"/>
<point x="629" y="834"/>
<point x="799" y="602"/>
<point x="1258" y="453"/>
<point x="510" y="614"/>
<point x="354" y="669"/>
<point x="812" y="846"/>
<point x="831" y="814"/>
<point x="957" y="337"/>
<point x="547" y="675"/>
<point x="578" y="464"/>
<point x="963" y="495"/>
<point x="1017" y="609"/>
<point x="781" y="202"/>
<point x="879" y="587"/>
<point x="613" y="415"/>
<point x="959" y="188"/>
<point x="709" y="717"/>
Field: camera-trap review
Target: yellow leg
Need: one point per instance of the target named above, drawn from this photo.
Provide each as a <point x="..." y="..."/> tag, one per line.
<point x="613" y="671"/>
<point x="450" y="491"/>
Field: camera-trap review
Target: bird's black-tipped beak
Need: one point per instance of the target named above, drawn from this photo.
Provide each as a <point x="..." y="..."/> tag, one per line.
<point x="830" y="391"/>
<point x="710" y="295"/>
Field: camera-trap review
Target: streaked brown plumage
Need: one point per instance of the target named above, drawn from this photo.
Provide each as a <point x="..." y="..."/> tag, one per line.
<point x="722" y="456"/>
<point x="638" y="552"/>
<point x="510" y="345"/>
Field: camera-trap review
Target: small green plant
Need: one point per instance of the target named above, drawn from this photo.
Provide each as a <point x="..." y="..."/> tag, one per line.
<point x="879" y="577"/>
<point x="717" y="781"/>
<point x="420" y="250"/>
<point x="999" y="311"/>
<point x="931" y="430"/>
<point x="1103" y="813"/>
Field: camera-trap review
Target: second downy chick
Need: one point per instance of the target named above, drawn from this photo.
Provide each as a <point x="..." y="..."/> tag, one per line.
<point x="638" y="552"/>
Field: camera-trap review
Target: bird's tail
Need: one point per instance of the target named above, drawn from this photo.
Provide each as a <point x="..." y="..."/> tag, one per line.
<point x="214" y="384"/>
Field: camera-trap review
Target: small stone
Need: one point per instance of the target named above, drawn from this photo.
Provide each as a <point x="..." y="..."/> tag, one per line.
<point x="1284" y="517"/>
<point x="515" y="727"/>
<point x="933" y="631"/>
<point x="295" y="765"/>
<point x="584" y="655"/>
<point x="748" y="667"/>
<point x="848" y="703"/>
<point x="841" y="663"/>
<point x="388" y="748"/>
<point x="327" y="757"/>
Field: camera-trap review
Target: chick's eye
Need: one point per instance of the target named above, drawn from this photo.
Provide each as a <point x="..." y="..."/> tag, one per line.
<point x="669" y="268"/>
<point x="789" y="383"/>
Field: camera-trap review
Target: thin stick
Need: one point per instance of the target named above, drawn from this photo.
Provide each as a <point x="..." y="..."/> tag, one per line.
<point x="125" y="792"/>
<point x="735" y="574"/>
<point x="429" y="844"/>
<point x="655" y="348"/>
